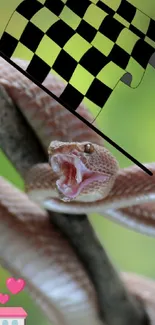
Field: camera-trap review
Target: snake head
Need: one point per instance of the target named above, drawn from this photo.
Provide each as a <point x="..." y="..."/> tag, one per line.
<point x="85" y="171"/>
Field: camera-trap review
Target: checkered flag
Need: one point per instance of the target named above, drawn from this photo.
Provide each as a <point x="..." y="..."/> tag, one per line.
<point x="114" y="43"/>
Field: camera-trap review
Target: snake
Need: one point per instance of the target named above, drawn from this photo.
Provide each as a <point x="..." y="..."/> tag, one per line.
<point x="81" y="176"/>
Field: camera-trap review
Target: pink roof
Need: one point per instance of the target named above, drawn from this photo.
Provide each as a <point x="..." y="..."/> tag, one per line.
<point x="12" y="312"/>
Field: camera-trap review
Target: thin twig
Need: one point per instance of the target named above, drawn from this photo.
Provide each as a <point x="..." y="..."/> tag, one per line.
<point x="21" y="146"/>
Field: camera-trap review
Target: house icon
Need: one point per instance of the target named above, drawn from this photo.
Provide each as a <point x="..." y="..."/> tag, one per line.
<point x="12" y="316"/>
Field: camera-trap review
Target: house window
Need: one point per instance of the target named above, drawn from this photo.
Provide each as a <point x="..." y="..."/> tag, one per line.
<point x="5" y="322"/>
<point x="15" y="322"/>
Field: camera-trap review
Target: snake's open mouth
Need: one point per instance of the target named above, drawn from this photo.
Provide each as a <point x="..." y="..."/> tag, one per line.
<point x="73" y="175"/>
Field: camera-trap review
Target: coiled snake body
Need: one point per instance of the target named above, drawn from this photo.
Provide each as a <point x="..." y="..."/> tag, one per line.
<point x="82" y="177"/>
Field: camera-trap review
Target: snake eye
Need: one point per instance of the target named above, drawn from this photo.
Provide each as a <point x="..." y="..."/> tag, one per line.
<point x="88" y="148"/>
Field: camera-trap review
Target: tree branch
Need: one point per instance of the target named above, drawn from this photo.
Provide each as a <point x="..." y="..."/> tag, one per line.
<point x="17" y="139"/>
<point x="117" y="307"/>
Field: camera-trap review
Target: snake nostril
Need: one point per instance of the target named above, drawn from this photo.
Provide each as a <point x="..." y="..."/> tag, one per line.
<point x="50" y="151"/>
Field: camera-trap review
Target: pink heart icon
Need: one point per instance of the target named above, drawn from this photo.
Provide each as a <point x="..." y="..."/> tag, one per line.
<point x="4" y="298"/>
<point x="15" y="286"/>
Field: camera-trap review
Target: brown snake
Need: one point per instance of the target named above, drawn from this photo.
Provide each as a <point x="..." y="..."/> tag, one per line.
<point x="81" y="177"/>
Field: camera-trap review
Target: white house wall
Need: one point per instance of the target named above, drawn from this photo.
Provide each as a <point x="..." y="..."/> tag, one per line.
<point x="20" y="320"/>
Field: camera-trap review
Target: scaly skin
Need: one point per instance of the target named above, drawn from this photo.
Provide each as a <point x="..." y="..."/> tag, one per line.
<point x="113" y="193"/>
<point x="92" y="181"/>
<point x="32" y="249"/>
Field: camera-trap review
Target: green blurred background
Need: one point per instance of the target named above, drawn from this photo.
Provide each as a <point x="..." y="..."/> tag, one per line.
<point x="129" y="119"/>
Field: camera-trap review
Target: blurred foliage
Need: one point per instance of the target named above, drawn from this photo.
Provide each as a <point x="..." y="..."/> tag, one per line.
<point x="129" y="119"/>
